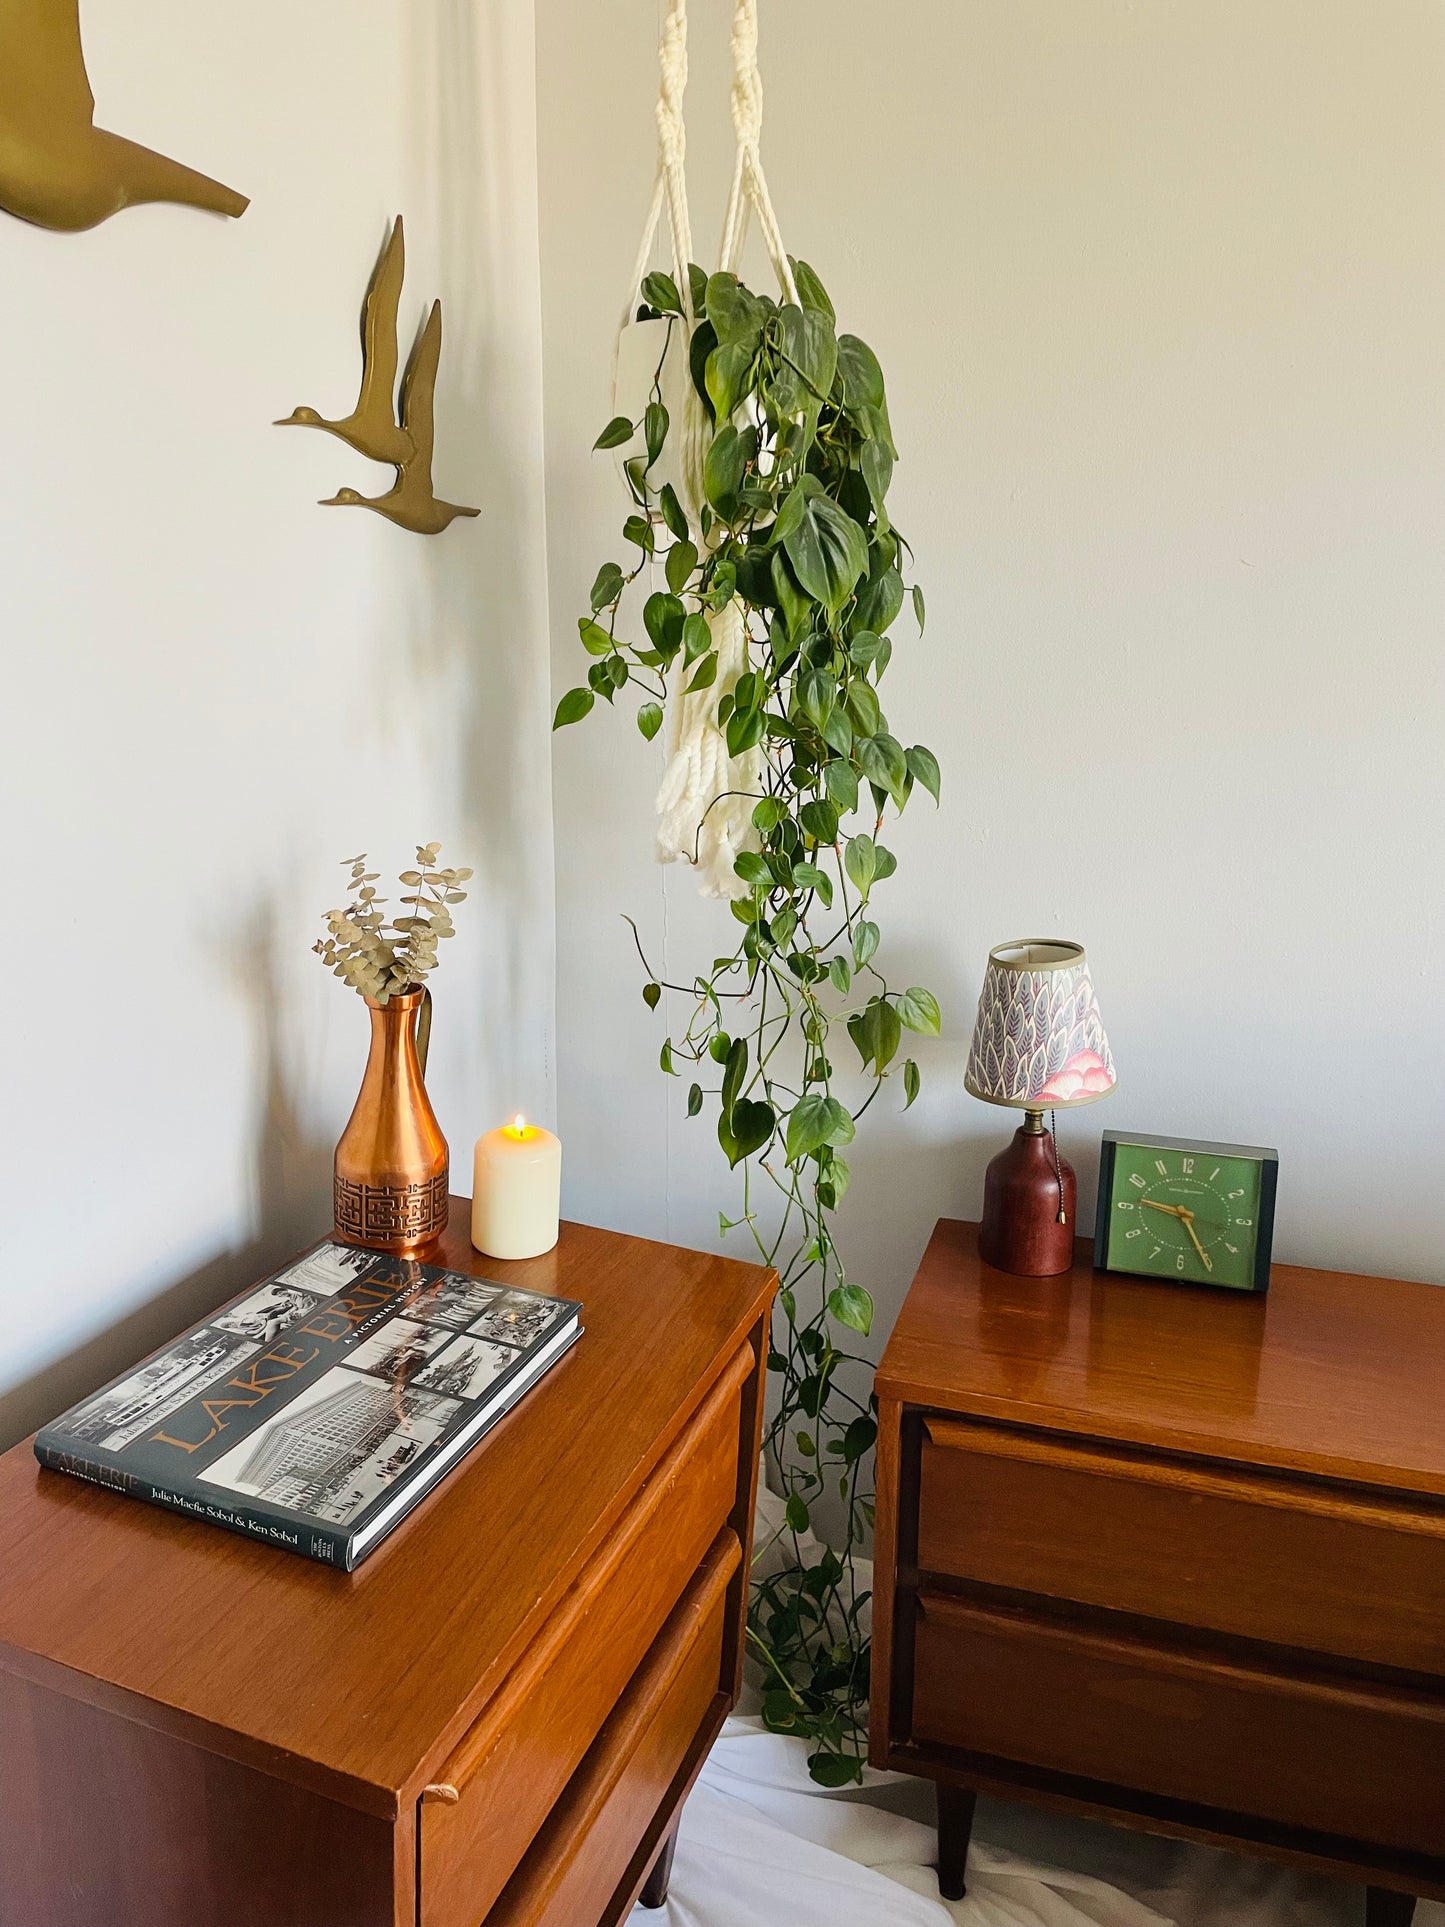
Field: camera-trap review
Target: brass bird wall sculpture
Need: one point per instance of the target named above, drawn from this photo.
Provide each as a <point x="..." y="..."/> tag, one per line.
<point x="372" y="428"/>
<point x="57" y="168"/>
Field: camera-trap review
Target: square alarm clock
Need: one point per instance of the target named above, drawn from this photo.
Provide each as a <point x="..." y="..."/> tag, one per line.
<point x="1185" y="1210"/>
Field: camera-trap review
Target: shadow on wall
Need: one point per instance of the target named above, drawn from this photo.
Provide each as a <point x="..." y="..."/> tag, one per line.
<point x="479" y="625"/>
<point x="292" y="1181"/>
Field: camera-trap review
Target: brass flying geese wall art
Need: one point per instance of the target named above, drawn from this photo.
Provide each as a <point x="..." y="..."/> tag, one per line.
<point x="372" y="427"/>
<point x="57" y="168"/>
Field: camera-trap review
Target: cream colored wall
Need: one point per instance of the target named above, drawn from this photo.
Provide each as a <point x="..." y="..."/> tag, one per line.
<point x="1160" y="293"/>
<point x="214" y="690"/>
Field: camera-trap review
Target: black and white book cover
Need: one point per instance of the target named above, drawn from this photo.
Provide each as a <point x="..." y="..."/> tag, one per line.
<point x="314" y="1410"/>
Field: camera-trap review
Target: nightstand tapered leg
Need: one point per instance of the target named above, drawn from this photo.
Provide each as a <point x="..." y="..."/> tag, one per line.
<point x="654" y="1893"/>
<point x="1385" y="1908"/>
<point x="955" y="1824"/>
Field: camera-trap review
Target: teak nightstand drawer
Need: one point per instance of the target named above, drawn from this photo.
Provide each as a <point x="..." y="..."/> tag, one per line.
<point x="1265" y="1557"/>
<point x="1356" y="1760"/>
<point x="497" y="1789"/>
<point x="588" y="1847"/>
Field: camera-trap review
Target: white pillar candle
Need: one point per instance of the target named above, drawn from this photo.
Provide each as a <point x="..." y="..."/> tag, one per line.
<point x="516" y="1191"/>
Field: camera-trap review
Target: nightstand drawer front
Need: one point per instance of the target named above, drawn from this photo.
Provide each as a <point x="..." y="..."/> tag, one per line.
<point x="497" y="1789"/>
<point x="1354" y="1760"/>
<point x="670" y="1709"/>
<point x="1287" y="1561"/>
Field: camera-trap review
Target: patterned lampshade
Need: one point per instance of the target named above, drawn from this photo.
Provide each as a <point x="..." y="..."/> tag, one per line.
<point x="1038" y="1043"/>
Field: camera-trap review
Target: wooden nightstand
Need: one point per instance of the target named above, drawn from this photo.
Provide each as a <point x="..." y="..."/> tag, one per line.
<point x="495" y="1718"/>
<point x="1170" y="1557"/>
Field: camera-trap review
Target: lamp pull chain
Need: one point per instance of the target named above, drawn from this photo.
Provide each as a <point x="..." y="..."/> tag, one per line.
<point x="1063" y="1217"/>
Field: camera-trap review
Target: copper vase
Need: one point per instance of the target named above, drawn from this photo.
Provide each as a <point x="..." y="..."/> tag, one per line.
<point x="391" y="1163"/>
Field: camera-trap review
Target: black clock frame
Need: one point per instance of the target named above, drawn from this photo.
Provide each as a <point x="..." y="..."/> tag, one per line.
<point x="1267" y="1160"/>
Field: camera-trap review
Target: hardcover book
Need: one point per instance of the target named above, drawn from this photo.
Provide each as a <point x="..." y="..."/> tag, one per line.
<point x="314" y="1410"/>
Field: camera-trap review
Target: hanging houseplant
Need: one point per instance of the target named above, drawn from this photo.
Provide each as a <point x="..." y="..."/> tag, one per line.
<point x="759" y="482"/>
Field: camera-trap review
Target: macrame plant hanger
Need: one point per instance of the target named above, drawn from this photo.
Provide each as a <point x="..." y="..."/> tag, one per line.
<point x="706" y="797"/>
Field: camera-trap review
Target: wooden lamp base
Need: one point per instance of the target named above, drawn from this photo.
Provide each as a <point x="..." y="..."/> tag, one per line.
<point x="1020" y="1231"/>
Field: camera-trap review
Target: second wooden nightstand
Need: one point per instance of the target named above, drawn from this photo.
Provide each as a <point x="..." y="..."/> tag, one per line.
<point x="1170" y="1557"/>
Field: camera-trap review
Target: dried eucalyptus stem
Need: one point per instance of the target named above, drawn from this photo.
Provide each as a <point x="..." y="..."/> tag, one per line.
<point x="381" y="961"/>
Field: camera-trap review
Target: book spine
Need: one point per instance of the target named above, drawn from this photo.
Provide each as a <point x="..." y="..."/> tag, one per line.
<point x="329" y="1545"/>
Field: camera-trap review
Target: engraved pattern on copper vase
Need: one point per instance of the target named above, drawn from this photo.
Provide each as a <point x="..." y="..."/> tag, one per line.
<point x="391" y="1163"/>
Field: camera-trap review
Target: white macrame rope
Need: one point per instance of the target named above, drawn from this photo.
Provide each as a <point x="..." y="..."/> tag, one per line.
<point x="669" y="189"/>
<point x="706" y="796"/>
<point x="749" y="189"/>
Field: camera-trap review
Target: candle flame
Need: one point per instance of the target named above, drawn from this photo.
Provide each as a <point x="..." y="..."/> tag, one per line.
<point x="518" y="1126"/>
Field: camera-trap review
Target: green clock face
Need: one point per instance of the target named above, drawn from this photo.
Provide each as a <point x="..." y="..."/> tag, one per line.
<point x="1191" y="1215"/>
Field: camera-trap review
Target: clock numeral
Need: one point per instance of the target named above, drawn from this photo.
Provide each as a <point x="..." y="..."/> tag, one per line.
<point x="1179" y="1262"/>
<point x="1227" y="1246"/>
<point x="1187" y="1165"/>
<point x="1135" y="1233"/>
<point x="1214" y="1174"/>
<point x="1135" y="1179"/>
<point x="1125" y="1204"/>
<point x="1244" y="1223"/>
<point x="1155" y="1252"/>
<point x="1161" y="1167"/>
<point x="1239" y="1193"/>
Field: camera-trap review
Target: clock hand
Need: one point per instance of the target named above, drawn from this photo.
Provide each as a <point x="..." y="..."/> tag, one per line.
<point x="1188" y="1221"/>
<point x="1174" y="1210"/>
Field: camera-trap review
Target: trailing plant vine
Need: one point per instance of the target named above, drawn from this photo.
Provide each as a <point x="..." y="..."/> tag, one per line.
<point x="795" y="531"/>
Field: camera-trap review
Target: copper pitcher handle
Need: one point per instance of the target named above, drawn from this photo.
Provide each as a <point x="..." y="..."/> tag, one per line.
<point x="423" y="1028"/>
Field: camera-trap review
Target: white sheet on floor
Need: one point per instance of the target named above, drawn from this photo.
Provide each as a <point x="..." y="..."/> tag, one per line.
<point x="761" y="1846"/>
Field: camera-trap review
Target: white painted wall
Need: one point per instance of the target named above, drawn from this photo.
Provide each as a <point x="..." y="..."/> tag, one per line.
<point x="214" y="689"/>
<point x="1160" y="294"/>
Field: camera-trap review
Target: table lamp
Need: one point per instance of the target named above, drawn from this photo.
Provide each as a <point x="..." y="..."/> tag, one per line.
<point x="1038" y="1045"/>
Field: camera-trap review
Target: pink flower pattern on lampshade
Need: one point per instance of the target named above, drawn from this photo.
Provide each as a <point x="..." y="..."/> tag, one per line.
<point x="1039" y="1041"/>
